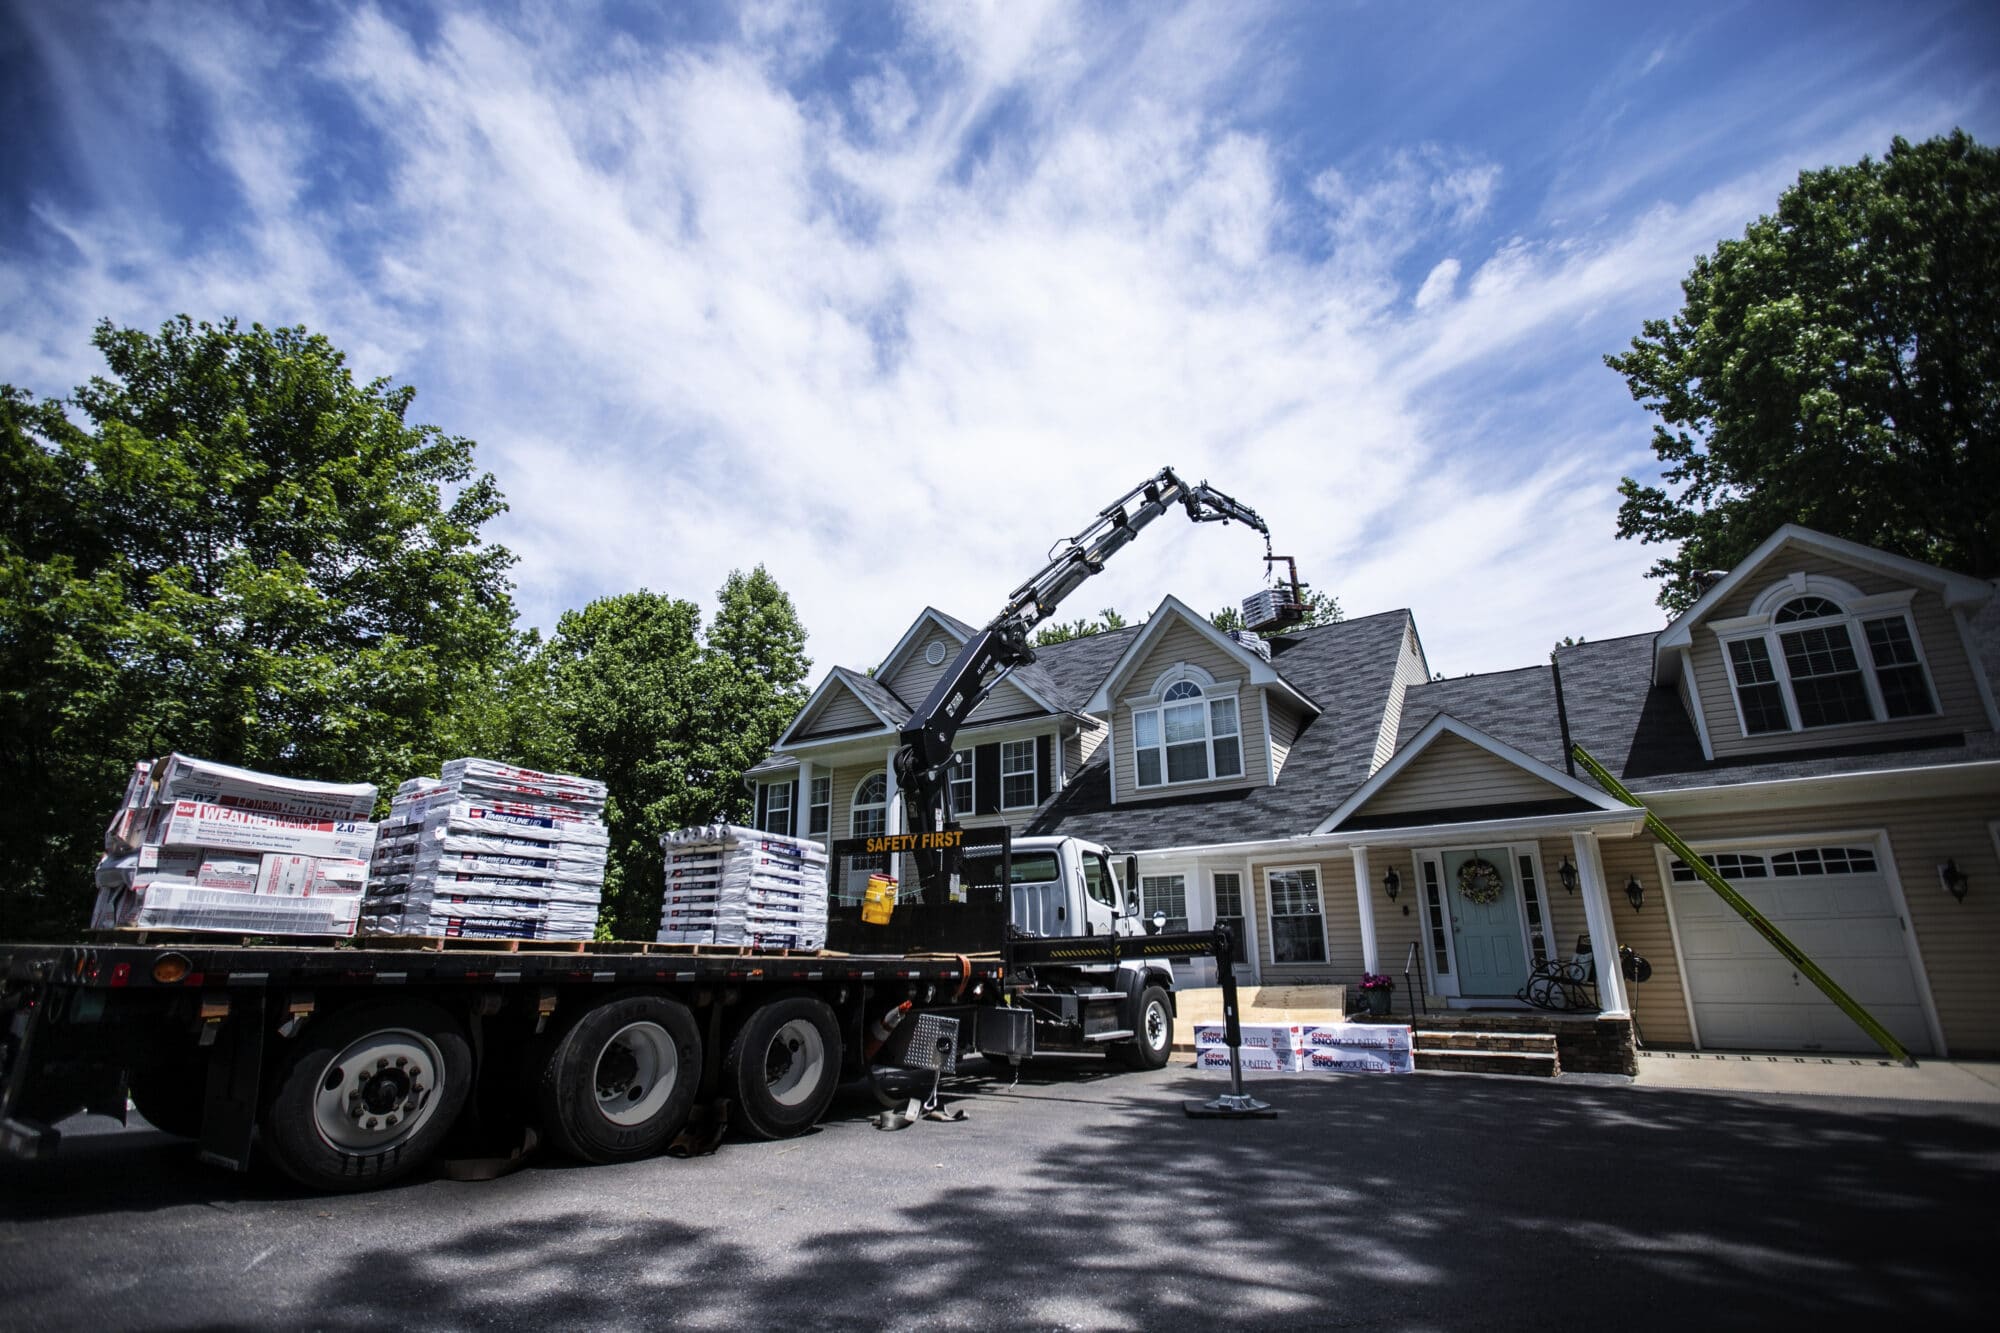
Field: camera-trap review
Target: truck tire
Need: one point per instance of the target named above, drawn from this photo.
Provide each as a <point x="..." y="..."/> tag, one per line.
<point x="367" y="1096"/>
<point x="783" y="1066"/>
<point x="620" y="1082"/>
<point x="1153" y="1043"/>
<point x="172" y="1096"/>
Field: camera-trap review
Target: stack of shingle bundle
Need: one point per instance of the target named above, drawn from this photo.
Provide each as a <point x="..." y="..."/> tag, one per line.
<point x="197" y="845"/>
<point x="489" y="851"/>
<point x="742" y="887"/>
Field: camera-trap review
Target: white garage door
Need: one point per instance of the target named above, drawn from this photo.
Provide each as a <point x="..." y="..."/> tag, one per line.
<point x="1834" y="904"/>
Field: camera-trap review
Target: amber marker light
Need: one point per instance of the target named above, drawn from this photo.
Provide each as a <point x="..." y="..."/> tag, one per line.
<point x="169" y="968"/>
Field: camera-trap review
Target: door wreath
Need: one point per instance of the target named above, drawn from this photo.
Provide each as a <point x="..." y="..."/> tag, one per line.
<point x="1479" y="882"/>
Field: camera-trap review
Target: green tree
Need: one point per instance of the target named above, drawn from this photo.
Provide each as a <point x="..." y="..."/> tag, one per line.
<point x="1839" y="366"/>
<point x="1080" y="628"/>
<point x="668" y="722"/>
<point x="1322" y="608"/>
<point x="235" y="550"/>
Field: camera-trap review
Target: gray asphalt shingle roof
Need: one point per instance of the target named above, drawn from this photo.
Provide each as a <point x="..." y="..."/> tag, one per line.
<point x="879" y="696"/>
<point x="1517" y="708"/>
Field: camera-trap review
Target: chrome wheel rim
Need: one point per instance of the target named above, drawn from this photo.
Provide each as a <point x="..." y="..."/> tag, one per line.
<point x="379" y="1091"/>
<point x="636" y="1072"/>
<point x="1156" y="1025"/>
<point x="793" y="1062"/>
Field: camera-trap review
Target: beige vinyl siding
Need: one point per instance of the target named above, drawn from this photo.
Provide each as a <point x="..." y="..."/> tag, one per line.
<point x="1285" y="721"/>
<point x="840" y="712"/>
<point x="1180" y="642"/>
<point x="913" y="678"/>
<point x="1007" y="700"/>
<point x="1339" y="913"/>
<point x="1452" y="773"/>
<point x="1943" y="650"/>
<point x="1078" y="749"/>
<point x="1411" y="669"/>
<point x="1954" y="939"/>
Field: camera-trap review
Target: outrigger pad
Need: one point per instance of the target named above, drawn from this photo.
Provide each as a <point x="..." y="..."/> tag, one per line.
<point x="1230" y="1106"/>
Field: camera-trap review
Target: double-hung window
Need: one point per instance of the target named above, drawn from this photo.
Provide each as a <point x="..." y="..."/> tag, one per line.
<point x="1164" y="893"/>
<point x="1818" y="664"/>
<point x="959" y="775"/>
<point x="1297" y="933"/>
<point x="1017" y="774"/>
<point x="1190" y="736"/>
<point x="819" y="807"/>
<point x="778" y="808"/>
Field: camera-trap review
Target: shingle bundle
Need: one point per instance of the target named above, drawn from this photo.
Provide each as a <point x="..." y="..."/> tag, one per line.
<point x="197" y="845"/>
<point x="743" y="887"/>
<point x="488" y="851"/>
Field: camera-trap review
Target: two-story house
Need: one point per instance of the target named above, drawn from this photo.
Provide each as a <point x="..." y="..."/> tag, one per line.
<point x="1820" y="725"/>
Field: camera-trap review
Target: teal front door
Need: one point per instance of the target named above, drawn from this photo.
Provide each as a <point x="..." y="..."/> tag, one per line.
<point x="1487" y="934"/>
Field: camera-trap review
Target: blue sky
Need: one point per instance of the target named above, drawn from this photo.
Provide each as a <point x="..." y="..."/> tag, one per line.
<point x="888" y="298"/>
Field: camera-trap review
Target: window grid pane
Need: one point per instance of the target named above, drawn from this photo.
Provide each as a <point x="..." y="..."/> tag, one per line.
<point x="1229" y="912"/>
<point x="1295" y="910"/>
<point x="1757" y="691"/>
<point x="1017" y="774"/>
<point x="1434" y="901"/>
<point x="1905" y="691"/>
<point x="1532" y="900"/>
<point x="960" y="777"/>
<point x="820" y="813"/>
<point x="1164" y="893"/>
<point x="1187" y="763"/>
<point x="1826" y="677"/>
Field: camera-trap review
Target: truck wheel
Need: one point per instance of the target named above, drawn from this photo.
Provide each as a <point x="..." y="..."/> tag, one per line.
<point x="368" y="1095"/>
<point x="1154" y="1041"/>
<point x="172" y="1096"/>
<point x="620" y="1082"/>
<point x="784" y="1066"/>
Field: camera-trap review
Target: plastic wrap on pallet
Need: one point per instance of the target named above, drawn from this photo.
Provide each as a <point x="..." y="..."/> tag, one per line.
<point x="181" y="777"/>
<point x="728" y="885"/>
<point x="164" y="905"/>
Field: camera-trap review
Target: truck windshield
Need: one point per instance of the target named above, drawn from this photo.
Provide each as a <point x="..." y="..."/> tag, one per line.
<point x="1029" y="868"/>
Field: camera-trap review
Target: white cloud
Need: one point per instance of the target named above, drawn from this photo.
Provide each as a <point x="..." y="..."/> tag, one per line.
<point x="892" y="339"/>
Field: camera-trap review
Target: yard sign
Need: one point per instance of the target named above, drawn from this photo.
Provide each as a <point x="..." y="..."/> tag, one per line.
<point x="1790" y="952"/>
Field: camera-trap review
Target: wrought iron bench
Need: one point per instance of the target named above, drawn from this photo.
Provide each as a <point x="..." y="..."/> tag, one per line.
<point x="1562" y="985"/>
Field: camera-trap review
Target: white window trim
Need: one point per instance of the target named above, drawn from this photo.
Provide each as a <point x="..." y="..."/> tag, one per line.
<point x="1211" y="690"/>
<point x="1325" y="958"/>
<point x="1187" y="908"/>
<point x="1246" y="890"/>
<point x="1856" y="611"/>
<point x="1032" y="774"/>
<point x="1765" y="845"/>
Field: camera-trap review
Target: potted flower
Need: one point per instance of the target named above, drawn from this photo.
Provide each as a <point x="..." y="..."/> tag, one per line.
<point x="1376" y="990"/>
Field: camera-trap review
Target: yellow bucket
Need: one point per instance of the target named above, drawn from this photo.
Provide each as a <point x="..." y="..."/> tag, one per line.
<point x="878" y="900"/>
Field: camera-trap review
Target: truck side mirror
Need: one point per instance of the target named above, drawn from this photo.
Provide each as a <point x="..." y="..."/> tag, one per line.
<point x="1132" y="906"/>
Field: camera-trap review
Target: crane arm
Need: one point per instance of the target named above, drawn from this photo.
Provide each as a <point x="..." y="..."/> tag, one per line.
<point x="927" y="740"/>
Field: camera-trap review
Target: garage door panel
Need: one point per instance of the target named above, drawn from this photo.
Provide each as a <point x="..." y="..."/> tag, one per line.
<point x="1746" y="996"/>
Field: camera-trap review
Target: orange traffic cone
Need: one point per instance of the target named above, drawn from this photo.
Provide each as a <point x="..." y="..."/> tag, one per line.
<point x="884" y="1025"/>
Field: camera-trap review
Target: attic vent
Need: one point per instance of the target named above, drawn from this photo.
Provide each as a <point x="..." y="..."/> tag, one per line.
<point x="1244" y="638"/>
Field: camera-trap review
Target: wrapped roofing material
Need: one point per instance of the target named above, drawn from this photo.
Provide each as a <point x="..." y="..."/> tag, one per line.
<point x="742" y="887"/>
<point x="197" y="845"/>
<point x="488" y="850"/>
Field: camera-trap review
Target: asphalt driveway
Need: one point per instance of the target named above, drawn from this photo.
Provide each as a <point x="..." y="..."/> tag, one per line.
<point x="1080" y="1199"/>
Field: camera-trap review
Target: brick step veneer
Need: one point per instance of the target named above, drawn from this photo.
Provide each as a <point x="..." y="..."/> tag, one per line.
<point x="1530" y="1064"/>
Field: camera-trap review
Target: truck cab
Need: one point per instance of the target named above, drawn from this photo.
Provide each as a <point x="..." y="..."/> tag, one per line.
<point x="1064" y="888"/>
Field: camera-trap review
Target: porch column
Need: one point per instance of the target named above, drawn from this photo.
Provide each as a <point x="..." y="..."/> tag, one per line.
<point x="1603" y="936"/>
<point x="1363" y="882"/>
<point x="802" y="803"/>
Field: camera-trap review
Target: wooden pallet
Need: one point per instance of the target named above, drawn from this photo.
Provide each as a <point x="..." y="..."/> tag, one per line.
<point x="165" y="938"/>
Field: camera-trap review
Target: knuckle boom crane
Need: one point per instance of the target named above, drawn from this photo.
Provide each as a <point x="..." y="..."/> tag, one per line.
<point x="927" y="740"/>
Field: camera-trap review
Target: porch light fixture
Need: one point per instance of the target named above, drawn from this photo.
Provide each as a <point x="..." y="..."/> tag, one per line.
<point x="1392" y="884"/>
<point x="1566" y="872"/>
<point x="1635" y="893"/>
<point x="1955" y="881"/>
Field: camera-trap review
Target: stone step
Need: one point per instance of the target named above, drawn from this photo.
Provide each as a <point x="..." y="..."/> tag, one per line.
<point x="1543" y="1042"/>
<point x="1529" y="1064"/>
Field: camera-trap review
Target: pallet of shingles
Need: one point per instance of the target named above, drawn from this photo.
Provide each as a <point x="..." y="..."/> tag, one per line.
<point x="490" y="851"/>
<point x="197" y="845"/>
<point x="734" y="886"/>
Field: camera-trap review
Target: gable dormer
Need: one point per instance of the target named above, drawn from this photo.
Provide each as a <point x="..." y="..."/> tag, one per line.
<point x="929" y="646"/>
<point x="1193" y="710"/>
<point x="1814" y="641"/>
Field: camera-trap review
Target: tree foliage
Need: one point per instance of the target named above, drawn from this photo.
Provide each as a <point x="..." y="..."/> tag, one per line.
<point x="226" y="546"/>
<point x="1839" y="366"/>
<point x="1080" y="628"/>
<point x="628" y="691"/>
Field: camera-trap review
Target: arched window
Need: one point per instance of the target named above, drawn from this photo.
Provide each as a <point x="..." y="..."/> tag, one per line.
<point x="1193" y="735"/>
<point x="1808" y="669"/>
<point x="868" y="815"/>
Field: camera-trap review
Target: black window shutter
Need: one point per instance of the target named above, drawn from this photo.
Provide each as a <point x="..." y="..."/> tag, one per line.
<point x="1045" y="769"/>
<point x="792" y="824"/>
<point x="757" y="819"/>
<point x="986" y="779"/>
